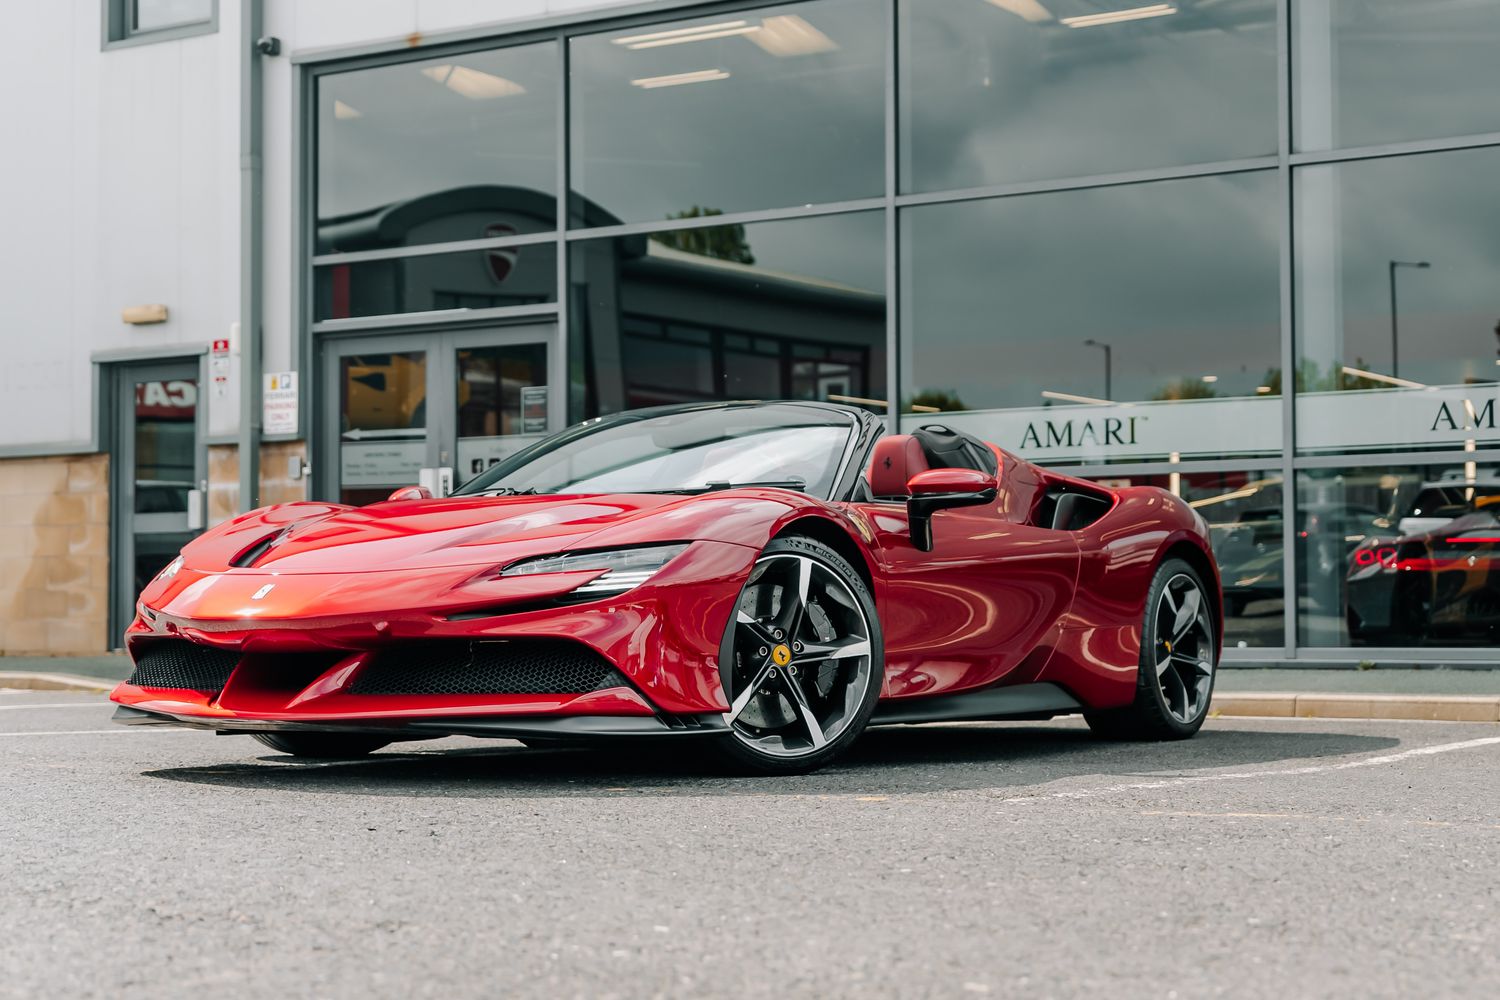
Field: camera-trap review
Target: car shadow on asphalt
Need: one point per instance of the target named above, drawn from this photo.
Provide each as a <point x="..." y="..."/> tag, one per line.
<point x="896" y="760"/>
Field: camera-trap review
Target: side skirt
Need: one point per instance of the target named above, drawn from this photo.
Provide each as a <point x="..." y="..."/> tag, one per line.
<point x="1020" y="701"/>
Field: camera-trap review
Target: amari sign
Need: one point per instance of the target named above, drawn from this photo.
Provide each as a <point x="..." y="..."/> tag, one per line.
<point x="1350" y="421"/>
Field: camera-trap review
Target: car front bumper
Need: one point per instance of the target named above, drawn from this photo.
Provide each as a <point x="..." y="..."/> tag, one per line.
<point x="302" y="660"/>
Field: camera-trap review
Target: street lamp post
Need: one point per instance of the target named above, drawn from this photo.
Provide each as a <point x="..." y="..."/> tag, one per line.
<point x="1395" y="336"/>
<point x="1108" y="365"/>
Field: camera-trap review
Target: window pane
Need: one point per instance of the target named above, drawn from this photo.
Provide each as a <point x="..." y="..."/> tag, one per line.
<point x="502" y="403"/>
<point x="1398" y="292"/>
<point x="150" y="15"/>
<point x="1245" y="521"/>
<point x="775" y="310"/>
<point x="470" y="279"/>
<point x="457" y="148"/>
<point x="1399" y="556"/>
<point x="758" y="109"/>
<point x="382" y="423"/>
<point x="1014" y="90"/>
<point x="1375" y="71"/>
<point x="1122" y="323"/>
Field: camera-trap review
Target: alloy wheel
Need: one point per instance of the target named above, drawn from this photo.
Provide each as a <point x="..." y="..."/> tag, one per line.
<point x="801" y="657"/>
<point x="1184" y="649"/>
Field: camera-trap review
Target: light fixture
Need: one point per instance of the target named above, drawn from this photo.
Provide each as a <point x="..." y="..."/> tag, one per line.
<point x="1404" y="383"/>
<point x="474" y="84"/>
<point x="677" y="36"/>
<point x="1210" y="379"/>
<point x="345" y="112"/>
<point x="1117" y="16"/>
<point x="785" y="35"/>
<point x="1027" y="9"/>
<point x="678" y="79"/>
<point x="1262" y="389"/>
<point x="1070" y="397"/>
<point x="620" y="569"/>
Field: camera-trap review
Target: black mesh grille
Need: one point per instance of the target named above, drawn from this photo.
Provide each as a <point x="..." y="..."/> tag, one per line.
<point x="529" y="666"/>
<point x="179" y="664"/>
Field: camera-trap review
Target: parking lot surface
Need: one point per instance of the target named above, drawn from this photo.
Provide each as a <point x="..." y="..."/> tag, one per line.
<point x="1290" y="857"/>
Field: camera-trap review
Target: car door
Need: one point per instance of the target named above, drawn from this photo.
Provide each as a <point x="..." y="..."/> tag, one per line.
<point x="985" y="604"/>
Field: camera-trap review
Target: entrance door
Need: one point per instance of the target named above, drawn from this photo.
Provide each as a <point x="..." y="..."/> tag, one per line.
<point x="434" y="409"/>
<point x="157" y="468"/>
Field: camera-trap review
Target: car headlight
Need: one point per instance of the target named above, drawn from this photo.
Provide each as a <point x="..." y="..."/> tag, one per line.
<point x="624" y="569"/>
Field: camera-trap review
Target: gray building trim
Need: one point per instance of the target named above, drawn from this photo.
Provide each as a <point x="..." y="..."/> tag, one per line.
<point x="559" y="363"/>
<point x="1389" y="458"/>
<point x="1476" y="141"/>
<point x="116" y="354"/>
<point x="115" y="33"/>
<point x="1287" y="314"/>
<point x="48" y="449"/>
<point x="433" y="249"/>
<point x="892" y="230"/>
<point x="401" y="321"/>
<point x="1090" y="181"/>
<point x="729" y="219"/>
<point x="644" y="11"/>
<point x="252" y="249"/>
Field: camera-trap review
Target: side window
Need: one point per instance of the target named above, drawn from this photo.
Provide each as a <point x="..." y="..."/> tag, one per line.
<point x="138" y="21"/>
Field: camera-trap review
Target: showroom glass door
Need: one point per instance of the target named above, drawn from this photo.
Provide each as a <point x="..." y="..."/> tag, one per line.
<point x="432" y="409"/>
<point x="158" y="474"/>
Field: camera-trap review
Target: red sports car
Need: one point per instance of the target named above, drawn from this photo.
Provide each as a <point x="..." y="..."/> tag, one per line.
<point x="767" y="579"/>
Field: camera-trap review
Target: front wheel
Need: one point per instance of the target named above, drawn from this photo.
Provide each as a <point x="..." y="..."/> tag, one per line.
<point x="801" y="661"/>
<point x="1179" y="654"/>
<point x="326" y="745"/>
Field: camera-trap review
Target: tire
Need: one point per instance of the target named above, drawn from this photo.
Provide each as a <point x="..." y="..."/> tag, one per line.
<point x="802" y="599"/>
<point x="324" y="745"/>
<point x="1178" y="664"/>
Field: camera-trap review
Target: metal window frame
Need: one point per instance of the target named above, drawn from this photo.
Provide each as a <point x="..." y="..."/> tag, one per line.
<point x="560" y="28"/>
<point x="116" y="33"/>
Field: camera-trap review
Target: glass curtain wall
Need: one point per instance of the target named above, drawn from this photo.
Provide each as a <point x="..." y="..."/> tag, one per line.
<point x="1219" y="246"/>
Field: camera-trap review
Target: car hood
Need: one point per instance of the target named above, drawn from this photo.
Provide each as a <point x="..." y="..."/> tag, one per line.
<point x="412" y="534"/>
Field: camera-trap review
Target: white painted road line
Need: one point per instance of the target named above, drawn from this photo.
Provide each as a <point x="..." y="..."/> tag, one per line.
<point x="58" y="704"/>
<point x="1193" y="779"/>
<point x="103" y="732"/>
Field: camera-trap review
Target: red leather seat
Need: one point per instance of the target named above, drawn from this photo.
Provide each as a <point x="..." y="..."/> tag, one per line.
<point x="896" y="459"/>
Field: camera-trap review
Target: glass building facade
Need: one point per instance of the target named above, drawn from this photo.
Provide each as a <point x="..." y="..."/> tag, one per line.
<point x="1246" y="250"/>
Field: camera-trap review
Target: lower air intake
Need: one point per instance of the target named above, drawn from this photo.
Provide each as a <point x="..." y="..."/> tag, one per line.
<point x="176" y="663"/>
<point x="524" y="666"/>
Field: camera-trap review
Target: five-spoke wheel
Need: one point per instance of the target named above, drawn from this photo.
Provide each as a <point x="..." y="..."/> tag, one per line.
<point x="1179" y="653"/>
<point x="801" y="660"/>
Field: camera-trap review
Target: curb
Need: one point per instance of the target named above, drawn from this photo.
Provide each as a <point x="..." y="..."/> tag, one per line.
<point x="1425" y="708"/>
<point x="26" y="680"/>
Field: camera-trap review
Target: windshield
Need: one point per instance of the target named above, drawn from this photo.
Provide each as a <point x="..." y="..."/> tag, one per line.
<point x="794" y="447"/>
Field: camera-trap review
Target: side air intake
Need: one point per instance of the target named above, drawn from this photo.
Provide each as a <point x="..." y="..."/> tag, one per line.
<point x="177" y="663"/>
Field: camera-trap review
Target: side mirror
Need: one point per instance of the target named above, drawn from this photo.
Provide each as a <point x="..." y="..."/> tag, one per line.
<point x="941" y="489"/>
<point x="411" y="493"/>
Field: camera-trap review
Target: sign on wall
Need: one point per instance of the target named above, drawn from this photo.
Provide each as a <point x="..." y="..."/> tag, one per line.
<point x="278" y="411"/>
<point x="1351" y="420"/>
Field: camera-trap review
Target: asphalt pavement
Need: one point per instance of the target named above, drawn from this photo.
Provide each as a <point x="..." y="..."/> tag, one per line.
<point x="1298" y="857"/>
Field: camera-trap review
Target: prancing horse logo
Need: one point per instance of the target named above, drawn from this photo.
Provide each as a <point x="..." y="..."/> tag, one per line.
<point x="262" y="592"/>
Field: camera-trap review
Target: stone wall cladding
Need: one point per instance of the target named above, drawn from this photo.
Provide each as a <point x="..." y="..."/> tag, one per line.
<point x="275" y="485"/>
<point x="54" y="555"/>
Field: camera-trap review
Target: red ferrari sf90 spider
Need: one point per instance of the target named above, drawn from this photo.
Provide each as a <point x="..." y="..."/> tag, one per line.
<point x="765" y="578"/>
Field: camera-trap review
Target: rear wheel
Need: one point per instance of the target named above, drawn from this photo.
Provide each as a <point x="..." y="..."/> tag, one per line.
<point x="1177" y="666"/>
<point x="324" y="745"/>
<point x="801" y="661"/>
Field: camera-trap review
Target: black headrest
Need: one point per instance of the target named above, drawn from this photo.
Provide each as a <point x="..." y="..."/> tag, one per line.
<point x="947" y="448"/>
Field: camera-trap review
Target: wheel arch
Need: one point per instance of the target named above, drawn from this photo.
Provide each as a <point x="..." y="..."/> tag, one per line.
<point x="831" y="534"/>
<point x="1203" y="564"/>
